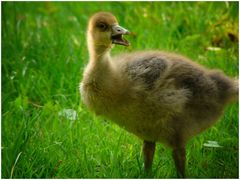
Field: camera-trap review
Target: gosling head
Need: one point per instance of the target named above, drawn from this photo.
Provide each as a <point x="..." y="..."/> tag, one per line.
<point x="104" y="31"/>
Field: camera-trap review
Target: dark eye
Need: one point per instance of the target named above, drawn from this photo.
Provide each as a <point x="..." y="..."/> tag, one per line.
<point x="102" y="26"/>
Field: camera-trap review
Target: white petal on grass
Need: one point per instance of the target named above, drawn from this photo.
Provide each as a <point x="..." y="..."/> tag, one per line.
<point x="69" y="114"/>
<point x="213" y="48"/>
<point x="212" y="144"/>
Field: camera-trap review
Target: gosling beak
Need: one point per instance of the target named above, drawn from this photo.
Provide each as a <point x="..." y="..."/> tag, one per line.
<point x="117" y="35"/>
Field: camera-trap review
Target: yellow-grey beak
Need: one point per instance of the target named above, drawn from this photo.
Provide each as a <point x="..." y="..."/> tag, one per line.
<point x="117" y="35"/>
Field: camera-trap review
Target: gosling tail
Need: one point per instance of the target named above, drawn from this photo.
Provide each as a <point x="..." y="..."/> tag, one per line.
<point x="235" y="90"/>
<point x="228" y="88"/>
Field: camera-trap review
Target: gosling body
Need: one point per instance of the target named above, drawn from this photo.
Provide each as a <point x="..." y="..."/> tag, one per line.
<point x="158" y="96"/>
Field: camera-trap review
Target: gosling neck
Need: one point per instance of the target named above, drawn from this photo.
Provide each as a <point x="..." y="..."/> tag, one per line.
<point x="99" y="65"/>
<point x="98" y="53"/>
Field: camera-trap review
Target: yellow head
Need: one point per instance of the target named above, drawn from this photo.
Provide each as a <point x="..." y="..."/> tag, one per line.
<point x="103" y="31"/>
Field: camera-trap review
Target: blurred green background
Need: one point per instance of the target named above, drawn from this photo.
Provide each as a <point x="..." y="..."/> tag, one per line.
<point x="46" y="130"/>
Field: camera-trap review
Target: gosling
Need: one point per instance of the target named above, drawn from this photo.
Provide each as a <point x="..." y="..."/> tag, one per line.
<point x="158" y="96"/>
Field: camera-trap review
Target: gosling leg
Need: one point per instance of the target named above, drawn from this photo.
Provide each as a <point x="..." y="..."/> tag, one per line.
<point x="179" y="156"/>
<point x="148" y="153"/>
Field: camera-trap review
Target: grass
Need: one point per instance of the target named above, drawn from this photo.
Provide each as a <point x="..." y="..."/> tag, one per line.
<point x="43" y="56"/>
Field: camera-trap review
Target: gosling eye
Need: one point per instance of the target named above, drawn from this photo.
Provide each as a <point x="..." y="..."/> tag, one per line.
<point x="102" y="26"/>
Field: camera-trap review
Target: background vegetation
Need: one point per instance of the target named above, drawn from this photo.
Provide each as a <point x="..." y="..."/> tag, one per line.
<point x="46" y="130"/>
